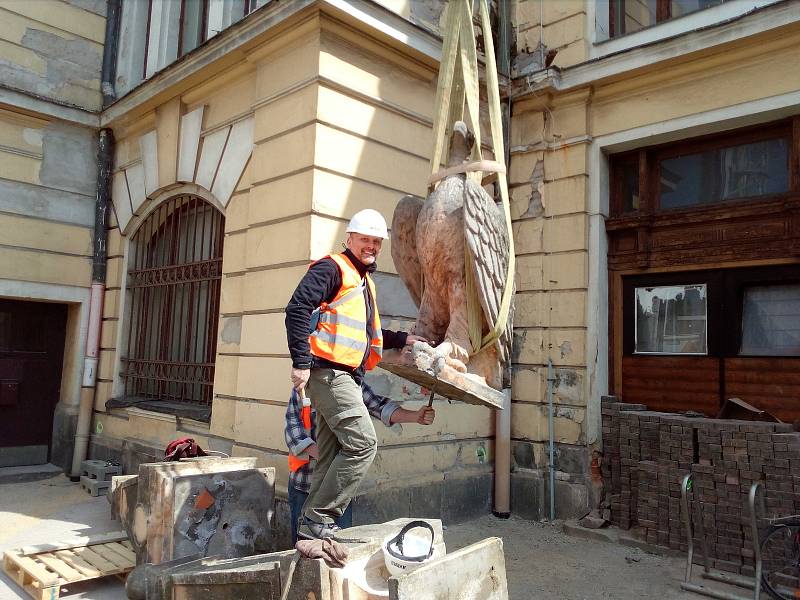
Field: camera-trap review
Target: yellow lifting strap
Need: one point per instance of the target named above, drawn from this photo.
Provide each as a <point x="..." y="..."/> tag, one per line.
<point x="459" y="84"/>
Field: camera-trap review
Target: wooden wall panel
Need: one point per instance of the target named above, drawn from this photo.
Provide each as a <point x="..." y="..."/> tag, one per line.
<point x="771" y="384"/>
<point x="672" y="383"/>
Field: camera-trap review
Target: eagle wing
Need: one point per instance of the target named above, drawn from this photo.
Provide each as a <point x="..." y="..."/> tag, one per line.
<point x="487" y="239"/>
<point x="404" y="245"/>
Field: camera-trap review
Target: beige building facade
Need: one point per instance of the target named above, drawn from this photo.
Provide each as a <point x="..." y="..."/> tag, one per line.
<point x="51" y="55"/>
<point x="246" y="135"/>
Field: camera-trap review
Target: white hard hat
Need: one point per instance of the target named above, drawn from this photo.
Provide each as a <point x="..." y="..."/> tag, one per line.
<point x="368" y="222"/>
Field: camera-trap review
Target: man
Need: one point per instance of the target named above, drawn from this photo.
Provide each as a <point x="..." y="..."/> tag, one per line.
<point x="300" y="435"/>
<point x="335" y="336"/>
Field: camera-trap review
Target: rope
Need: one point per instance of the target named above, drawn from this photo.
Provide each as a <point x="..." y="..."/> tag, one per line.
<point x="459" y="83"/>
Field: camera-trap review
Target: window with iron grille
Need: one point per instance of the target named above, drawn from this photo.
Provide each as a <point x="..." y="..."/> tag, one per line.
<point x="175" y="266"/>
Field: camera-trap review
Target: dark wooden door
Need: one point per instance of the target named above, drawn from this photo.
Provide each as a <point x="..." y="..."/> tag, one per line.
<point x="32" y="338"/>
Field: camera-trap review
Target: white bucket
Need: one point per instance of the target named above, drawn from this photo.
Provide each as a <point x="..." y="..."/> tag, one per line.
<point x="405" y="551"/>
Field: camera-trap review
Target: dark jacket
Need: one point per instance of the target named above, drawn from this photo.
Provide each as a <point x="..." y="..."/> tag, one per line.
<point x="320" y="284"/>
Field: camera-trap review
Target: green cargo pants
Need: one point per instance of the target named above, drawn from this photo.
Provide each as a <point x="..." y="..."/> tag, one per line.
<point x="346" y="441"/>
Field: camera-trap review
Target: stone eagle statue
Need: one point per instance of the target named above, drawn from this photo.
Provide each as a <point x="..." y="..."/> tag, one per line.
<point x="430" y="239"/>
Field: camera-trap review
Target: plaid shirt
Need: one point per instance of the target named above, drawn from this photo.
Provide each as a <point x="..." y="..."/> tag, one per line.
<point x="298" y="438"/>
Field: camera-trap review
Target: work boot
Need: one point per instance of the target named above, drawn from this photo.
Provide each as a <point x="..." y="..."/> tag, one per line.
<point x="311" y="530"/>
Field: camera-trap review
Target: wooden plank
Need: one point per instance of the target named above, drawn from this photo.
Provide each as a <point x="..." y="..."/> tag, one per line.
<point x="77" y="563"/>
<point x="98" y="561"/>
<point x="116" y="554"/>
<point x="127" y="544"/>
<point x="710" y="386"/>
<point x="60" y="567"/>
<point x="34" y="569"/>
<point x="102" y="538"/>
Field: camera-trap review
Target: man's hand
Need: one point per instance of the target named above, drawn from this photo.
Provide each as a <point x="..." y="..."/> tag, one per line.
<point x="425" y="415"/>
<point x="300" y="378"/>
<point x="415" y="338"/>
<point x="313" y="451"/>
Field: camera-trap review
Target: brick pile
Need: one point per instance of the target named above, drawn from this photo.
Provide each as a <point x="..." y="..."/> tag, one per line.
<point x="646" y="454"/>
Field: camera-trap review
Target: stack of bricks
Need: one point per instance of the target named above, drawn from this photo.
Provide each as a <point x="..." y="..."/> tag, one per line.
<point x="621" y="438"/>
<point x="647" y="454"/>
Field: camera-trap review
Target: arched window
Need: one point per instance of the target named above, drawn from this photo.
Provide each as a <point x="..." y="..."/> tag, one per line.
<point x="174" y="272"/>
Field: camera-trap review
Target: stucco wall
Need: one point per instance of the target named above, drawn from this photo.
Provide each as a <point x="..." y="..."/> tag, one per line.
<point x="559" y="178"/>
<point x="53" y="49"/>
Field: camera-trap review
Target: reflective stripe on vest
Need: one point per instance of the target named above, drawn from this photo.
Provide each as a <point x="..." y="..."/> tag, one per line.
<point x="341" y="330"/>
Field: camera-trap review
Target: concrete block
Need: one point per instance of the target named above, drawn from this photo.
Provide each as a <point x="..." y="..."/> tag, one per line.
<point x="99" y="469"/>
<point x="477" y="572"/>
<point x="94" y="487"/>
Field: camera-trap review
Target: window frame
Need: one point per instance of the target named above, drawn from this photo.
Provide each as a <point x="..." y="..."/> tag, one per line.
<point x="637" y="352"/>
<point x="203" y="25"/>
<point x="651" y="157"/>
<point x="663" y="13"/>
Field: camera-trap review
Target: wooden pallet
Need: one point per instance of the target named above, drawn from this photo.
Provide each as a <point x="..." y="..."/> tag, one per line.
<point x="41" y="571"/>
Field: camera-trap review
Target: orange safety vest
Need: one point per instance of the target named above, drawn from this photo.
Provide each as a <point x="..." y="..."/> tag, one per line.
<point x="340" y="334"/>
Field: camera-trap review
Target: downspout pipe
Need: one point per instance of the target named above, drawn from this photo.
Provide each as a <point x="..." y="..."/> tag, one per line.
<point x="113" y="13"/>
<point x="502" y="429"/>
<point x="105" y="153"/>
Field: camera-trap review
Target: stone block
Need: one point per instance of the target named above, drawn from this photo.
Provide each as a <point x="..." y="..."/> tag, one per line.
<point x="418" y="367"/>
<point x="567" y="308"/>
<point x="269" y="201"/>
<point x="524" y="165"/>
<point x="202" y="507"/>
<point x="572" y="54"/>
<point x="342" y="197"/>
<point x="264" y="334"/>
<point x="530" y="272"/>
<point x="565" y="161"/>
<point x="263" y="378"/>
<point x="527" y="128"/>
<point x="237" y="211"/>
<point x="529" y="309"/>
<point x="270" y="289"/>
<point x="477" y="572"/>
<point x="565" y="233"/>
<point x="565" y="270"/>
<point x="564" y="196"/>
<point x="556" y="11"/>
<point x="234" y="257"/>
<point x="528" y="238"/>
<point x="568" y="121"/>
<point x="284" y="242"/>
<point x="526" y="201"/>
<point x="530" y="346"/>
<point x="231" y="294"/>
<point x="564" y="31"/>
